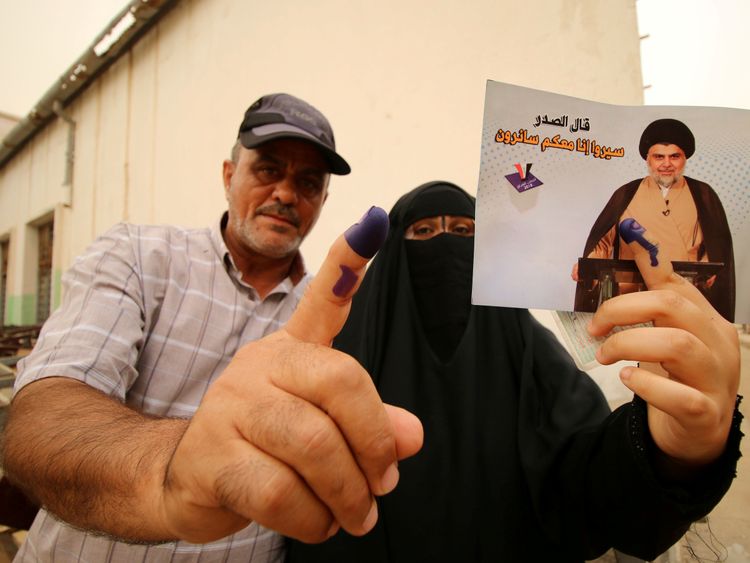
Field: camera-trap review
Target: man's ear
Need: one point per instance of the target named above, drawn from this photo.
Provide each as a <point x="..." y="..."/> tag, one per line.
<point x="227" y="171"/>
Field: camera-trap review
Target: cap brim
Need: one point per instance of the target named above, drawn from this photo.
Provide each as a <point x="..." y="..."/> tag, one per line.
<point x="265" y="133"/>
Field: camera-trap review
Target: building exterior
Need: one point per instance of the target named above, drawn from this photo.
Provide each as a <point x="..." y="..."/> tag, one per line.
<point x="7" y="122"/>
<point x="402" y="82"/>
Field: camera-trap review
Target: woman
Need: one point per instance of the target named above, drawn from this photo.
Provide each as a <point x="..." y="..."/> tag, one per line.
<point x="522" y="460"/>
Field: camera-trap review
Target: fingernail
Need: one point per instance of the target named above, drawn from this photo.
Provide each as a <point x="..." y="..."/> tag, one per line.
<point x="367" y="236"/>
<point x="390" y="479"/>
<point x="598" y="355"/>
<point x="372" y="517"/>
<point x="625" y="374"/>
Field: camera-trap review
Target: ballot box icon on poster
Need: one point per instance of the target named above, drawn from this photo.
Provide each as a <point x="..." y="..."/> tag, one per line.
<point x="523" y="180"/>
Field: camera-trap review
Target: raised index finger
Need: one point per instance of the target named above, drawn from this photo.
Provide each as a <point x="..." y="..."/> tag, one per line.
<point x="325" y="305"/>
<point x="655" y="265"/>
<point x="339" y="386"/>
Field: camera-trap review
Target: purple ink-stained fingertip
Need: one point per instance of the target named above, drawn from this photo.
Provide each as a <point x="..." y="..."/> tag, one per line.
<point x="367" y="236"/>
<point x="631" y="230"/>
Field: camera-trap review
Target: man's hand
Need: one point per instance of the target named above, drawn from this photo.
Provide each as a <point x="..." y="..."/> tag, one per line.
<point x="692" y="383"/>
<point x="293" y="434"/>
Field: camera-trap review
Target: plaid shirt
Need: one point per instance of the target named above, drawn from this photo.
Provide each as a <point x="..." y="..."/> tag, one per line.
<point x="151" y="316"/>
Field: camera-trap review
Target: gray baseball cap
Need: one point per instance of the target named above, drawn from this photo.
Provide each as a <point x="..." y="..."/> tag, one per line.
<point x="282" y="116"/>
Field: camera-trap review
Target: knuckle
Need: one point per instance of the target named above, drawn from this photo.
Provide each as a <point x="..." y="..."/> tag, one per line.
<point x="672" y="280"/>
<point x="346" y="374"/>
<point x="354" y="507"/>
<point x="381" y="447"/>
<point x="228" y="488"/>
<point x="275" y="493"/>
<point x="682" y="344"/>
<point x="697" y="406"/>
<point x="269" y="421"/>
<point x="670" y="301"/>
<point x="604" y="308"/>
<point x="317" y="439"/>
<point x="610" y="346"/>
<point x="614" y="340"/>
<point x="336" y="487"/>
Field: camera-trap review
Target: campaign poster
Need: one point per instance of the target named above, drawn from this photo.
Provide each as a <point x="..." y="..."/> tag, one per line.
<point x="558" y="172"/>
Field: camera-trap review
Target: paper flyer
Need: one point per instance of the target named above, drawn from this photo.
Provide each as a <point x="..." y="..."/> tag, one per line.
<point x="556" y="175"/>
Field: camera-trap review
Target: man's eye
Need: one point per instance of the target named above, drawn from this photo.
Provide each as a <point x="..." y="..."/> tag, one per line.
<point x="310" y="187"/>
<point x="268" y="172"/>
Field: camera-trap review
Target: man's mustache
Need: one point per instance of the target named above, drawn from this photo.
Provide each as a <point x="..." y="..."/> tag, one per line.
<point x="280" y="210"/>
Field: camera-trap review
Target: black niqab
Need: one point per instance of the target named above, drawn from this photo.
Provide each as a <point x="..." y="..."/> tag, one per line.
<point x="440" y="269"/>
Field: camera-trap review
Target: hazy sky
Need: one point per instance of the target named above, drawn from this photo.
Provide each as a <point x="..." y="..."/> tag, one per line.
<point x="40" y="40"/>
<point x="696" y="52"/>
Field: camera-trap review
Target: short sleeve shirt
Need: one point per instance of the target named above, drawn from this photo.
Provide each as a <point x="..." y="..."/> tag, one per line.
<point x="151" y="316"/>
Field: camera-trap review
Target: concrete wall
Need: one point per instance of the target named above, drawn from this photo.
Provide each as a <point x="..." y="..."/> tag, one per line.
<point x="401" y="81"/>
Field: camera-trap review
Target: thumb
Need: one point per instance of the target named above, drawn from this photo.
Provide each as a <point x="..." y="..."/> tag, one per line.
<point x="408" y="430"/>
<point x="324" y="307"/>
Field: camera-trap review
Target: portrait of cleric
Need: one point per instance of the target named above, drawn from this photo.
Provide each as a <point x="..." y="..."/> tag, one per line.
<point x="683" y="214"/>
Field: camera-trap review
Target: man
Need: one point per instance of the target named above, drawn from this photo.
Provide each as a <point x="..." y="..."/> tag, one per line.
<point x="684" y="214"/>
<point x="153" y="410"/>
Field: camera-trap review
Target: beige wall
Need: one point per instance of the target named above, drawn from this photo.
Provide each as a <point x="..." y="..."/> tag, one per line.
<point x="401" y="81"/>
<point x="7" y="122"/>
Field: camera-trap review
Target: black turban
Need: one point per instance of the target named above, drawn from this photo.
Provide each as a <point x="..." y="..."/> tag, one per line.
<point x="667" y="131"/>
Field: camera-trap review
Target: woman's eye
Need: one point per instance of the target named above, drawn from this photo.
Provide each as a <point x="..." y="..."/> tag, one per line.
<point x="462" y="229"/>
